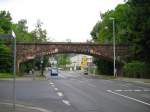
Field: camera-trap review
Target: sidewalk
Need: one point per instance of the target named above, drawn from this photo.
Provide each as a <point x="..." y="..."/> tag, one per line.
<point x="24" y="78"/>
<point x="8" y="107"/>
<point x="145" y="81"/>
<point x="136" y="80"/>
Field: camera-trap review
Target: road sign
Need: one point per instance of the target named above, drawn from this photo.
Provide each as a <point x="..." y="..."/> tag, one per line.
<point x="84" y="61"/>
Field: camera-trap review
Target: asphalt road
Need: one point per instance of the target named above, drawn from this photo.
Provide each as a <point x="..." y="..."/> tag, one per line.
<point x="72" y="92"/>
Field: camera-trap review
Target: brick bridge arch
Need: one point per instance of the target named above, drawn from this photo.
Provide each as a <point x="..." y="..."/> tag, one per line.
<point x="27" y="51"/>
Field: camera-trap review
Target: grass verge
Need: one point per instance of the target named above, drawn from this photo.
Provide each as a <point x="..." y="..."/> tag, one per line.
<point x="6" y="75"/>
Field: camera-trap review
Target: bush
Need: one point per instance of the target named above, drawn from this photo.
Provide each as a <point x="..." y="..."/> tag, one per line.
<point x="104" y="67"/>
<point x="136" y="69"/>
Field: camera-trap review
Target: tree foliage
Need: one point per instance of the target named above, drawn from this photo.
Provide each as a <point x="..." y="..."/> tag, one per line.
<point x="5" y="22"/>
<point x="39" y="34"/>
<point x="5" y="59"/>
<point x="5" y="53"/>
<point x="136" y="69"/>
<point x="21" y="31"/>
<point x="22" y="35"/>
<point x="63" y="60"/>
<point x="132" y="24"/>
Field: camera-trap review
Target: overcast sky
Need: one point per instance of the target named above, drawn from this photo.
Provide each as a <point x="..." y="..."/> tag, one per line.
<point x="63" y="19"/>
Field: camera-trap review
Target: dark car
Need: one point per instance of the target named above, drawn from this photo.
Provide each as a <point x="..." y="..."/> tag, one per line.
<point x="54" y="71"/>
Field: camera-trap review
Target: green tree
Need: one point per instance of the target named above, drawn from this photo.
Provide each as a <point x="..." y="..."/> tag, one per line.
<point x="63" y="60"/>
<point x="39" y="34"/>
<point x="140" y="29"/>
<point x="132" y="27"/>
<point x="102" y="31"/>
<point x="21" y="31"/>
<point x="5" y="22"/>
<point x="5" y="59"/>
<point x="5" y="52"/>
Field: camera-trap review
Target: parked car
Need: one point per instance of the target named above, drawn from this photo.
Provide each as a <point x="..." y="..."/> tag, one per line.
<point x="85" y="71"/>
<point x="54" y="71"/>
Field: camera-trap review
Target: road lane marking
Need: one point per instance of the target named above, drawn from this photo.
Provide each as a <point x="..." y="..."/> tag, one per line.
<point x="51" y="83"/>
<point x="56" y="89"/>
<point x="60" y="94"/>
<point x="27" y="107"/>
<point x="125" y="85"/>
<point x="66" y="102"/>
<point x="129" y="90"/>
<point x="125" y="96"/>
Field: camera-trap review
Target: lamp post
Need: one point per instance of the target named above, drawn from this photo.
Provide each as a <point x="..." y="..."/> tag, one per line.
<point x="14" y="73"/>
<point x="114" y="46"/>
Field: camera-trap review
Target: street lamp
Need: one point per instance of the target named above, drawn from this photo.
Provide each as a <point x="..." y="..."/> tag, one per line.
<point x="14" y="72"/>
<point x="114" y="46"/>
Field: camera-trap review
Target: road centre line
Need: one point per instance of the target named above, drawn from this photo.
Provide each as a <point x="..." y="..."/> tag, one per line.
<point x="66" y="102"/>
<point x="51" y="83"/>
<point x="56" y="89"/>
<point x="118" y="90"/>
<point x="27" y="107"/>
<point x="125" y="85"/>
<point x="60" y="94"/>
<point x="125" y="96"/>
<point x="129" y="90"/>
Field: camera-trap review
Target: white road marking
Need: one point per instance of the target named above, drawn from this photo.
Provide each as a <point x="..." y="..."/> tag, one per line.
<point x="56" y="89"/>
<point x="51" y="83"/>
<point x="60" y="94"/>
<point x="125" y="96"/>
<point x="27" y="107"/>
<point x="125" y="85"/>
<point x="129" y="90"/>
<point x="66" y="102"/>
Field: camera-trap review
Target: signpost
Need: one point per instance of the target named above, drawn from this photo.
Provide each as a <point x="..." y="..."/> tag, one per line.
<point x="12" y="36"/>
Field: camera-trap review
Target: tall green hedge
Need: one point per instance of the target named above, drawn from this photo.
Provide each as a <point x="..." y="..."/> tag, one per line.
<point x="136" y="69"/>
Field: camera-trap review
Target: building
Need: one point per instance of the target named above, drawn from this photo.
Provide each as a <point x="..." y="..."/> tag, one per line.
<point x="80" y="61"/>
